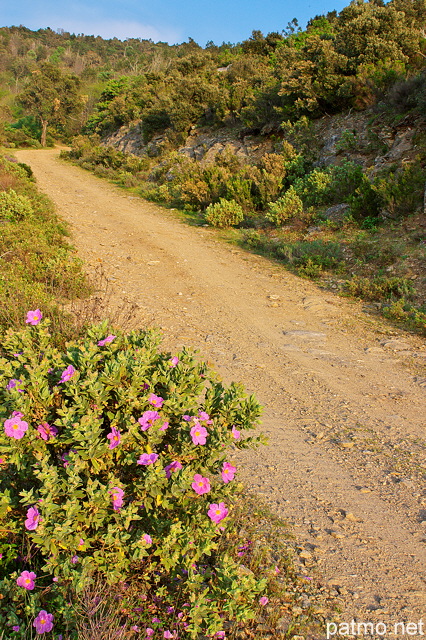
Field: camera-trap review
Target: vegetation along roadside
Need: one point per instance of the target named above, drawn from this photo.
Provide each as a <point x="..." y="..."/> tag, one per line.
<point x="114" y="481"/>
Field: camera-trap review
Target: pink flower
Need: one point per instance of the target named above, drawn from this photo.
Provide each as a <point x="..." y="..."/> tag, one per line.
<point x="149" y="632"/>
<point x="67" y="374"/>
<point x="74" y="559"/>
<point x="2" y="460"/>
<point x="106" y="340"/>
<point x="199" y="434"/>
<point x="114" y="437"/>
<point x="220" y="634"/>
<point x="200" y="485"/>
<point x="164" y="426"/>
<point x="117" y="498"/>
<point x="14" y="384"/>
<point x="147" y="419"/>
<point x="156" y="401"/>
<point x="26" y="580"/>
<point x="147" y="458"/>
<point x="204" y="417"/>
<point x="147" y="538"/>
<point x="15" y="427"/>
<point x="263" y="600"/>
<point x="217" y="512"/>
<point x="228" y="472"/>
<point x="173" y="466"/>
<point x="16" y="627"/>
<point x="168" y="634"/>
<point x="34" y="317"/>
<point x="235" y="433"/>
<point x="46" y="431"/>
<point x="33" y="519"/>
<point x="173" y="361"/>
<point x="44" y="622"/>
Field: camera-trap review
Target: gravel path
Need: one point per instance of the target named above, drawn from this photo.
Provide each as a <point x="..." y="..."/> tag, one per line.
<point x="344" y="396"/>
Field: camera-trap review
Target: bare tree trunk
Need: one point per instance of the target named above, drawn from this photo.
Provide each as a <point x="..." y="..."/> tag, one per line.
<point x="44" y="124"/>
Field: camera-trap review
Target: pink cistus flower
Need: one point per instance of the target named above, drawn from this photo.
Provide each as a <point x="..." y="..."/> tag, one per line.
<point x="15" y="427"/>
<point x="106" y="340"/>
<point x="34" y="317"/>
<point x="199" y="434"/>
<point x="147" y="419"/>
<point x="173" y="466"/>
<point x="33" y="519"/>
<point x="173" y="361"/>
<point x="147" y="538"/>
<point x="220" y="635"/>
<point x="168" y="634"/>
<point x="217" y="512"/>
<point x="263" y="600"/>
<point x="200" y="485"/>
<point x="204" y="417"/>
<point x="156" y="401"/>
<point x="149" y="632"/>
<point x="26" y="580"/>
<point x="117" y="498"/>
<point x="235" y="433"/>
<point x="164" y="426"/>
<point x="228" y="472"/>
<point x="44" y="622"/>
<point x="14" y="384"/>
<point x="147" y="458"/>
<point x="46" y="431"/>
<point x="67" y="374"/>
<point x="114" y="437"/>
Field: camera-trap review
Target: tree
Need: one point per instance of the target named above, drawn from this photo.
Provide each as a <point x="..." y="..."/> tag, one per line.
<point x="52" y="97"/>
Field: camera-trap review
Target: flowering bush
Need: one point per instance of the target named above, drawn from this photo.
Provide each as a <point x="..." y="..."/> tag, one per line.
<point x="113" y="466"/>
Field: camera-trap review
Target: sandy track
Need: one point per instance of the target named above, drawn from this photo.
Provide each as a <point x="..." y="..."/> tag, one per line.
<point x="345" y="408"/>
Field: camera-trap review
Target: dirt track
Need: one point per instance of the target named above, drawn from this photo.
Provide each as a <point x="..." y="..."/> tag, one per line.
<point x="344" y="397"/>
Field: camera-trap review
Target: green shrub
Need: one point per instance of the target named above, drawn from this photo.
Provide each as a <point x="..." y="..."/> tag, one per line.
<point x="402" y="191"/>
<point x="287" y="207"/>
<point x="225" y="213"/>
<point x="379" y="288"/>
<point x="365" y="202"/>
<point x="345" y="179"/>
<point x="314" y="188"/>
<point x="14" y="207"/>
<point x="302" y="254"/>
<point x="100" y="450"/>
<point x="347" y="141"/>
<point x="403" y="311"/>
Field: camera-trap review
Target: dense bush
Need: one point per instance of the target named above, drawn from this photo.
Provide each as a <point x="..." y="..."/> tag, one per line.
<point x="14" y="207"/>
<point x="114" y="466"/>
<point x="287" y="207"/>
<point x="225" y="213"/>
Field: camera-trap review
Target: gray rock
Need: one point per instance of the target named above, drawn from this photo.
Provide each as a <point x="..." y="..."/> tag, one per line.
<point x="337" y="212"/>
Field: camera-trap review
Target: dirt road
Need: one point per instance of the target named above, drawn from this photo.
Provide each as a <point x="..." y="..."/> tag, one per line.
<point x="344" y="398"/>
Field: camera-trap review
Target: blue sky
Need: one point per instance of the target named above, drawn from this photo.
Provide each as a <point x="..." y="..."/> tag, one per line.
<point x="172" y="21"/>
